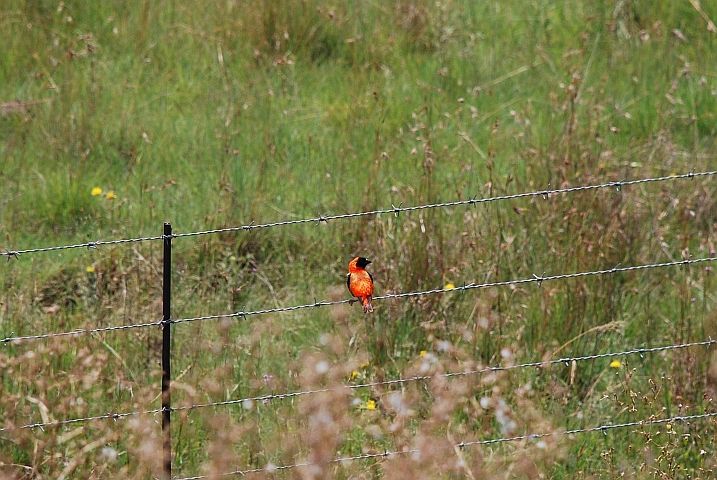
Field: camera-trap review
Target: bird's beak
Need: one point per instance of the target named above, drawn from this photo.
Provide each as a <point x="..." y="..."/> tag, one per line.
<point x="368" y="261"/>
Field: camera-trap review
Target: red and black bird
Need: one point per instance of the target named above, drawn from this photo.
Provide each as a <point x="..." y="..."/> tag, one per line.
<point x="360" y="282"/>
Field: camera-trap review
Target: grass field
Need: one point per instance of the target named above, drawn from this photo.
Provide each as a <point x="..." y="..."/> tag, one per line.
<point x="118" y="116"/>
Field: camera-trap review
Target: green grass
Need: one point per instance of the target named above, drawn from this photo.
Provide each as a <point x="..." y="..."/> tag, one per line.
<point x="217" y="115"/>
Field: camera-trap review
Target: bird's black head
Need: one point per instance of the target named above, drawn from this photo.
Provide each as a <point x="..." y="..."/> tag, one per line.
<point x="362" y="262"/>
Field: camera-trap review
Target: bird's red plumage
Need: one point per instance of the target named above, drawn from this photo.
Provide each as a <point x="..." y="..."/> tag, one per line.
<point x="360" y="284"/>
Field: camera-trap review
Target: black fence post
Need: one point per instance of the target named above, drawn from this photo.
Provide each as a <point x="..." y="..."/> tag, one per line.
<point x="166" y="345"/>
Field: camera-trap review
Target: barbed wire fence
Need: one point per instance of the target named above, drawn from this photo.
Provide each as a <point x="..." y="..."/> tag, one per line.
<point x="166" y="322"/>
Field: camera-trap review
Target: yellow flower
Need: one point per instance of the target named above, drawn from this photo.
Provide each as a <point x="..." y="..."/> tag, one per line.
<point x="353" y="374"/>
<point x="449" y="286"/>
<point x="96" y="191"/>
<point x="90" y="269"/>
<point x="370" y="405"/>
<point x="364" y="364"/>
<point x="423" y="352"/>
<point x="615" y="364"/>
<point x="111" y="195"/>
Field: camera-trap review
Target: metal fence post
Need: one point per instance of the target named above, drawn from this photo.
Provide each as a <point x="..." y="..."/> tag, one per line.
<point x="166" y="345"/>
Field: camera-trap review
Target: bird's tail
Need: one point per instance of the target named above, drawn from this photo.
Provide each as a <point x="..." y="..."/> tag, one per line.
<point x="367" y="307"/>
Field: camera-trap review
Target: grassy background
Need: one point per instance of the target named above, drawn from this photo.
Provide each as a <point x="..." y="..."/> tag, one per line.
<point x="217" y="114"/>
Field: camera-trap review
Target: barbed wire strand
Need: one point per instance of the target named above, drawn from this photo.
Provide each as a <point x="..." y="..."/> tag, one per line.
<point x="565" y="360"/>
<point x="395" y="210"/>
<point x="533" y="436"/>
<point x="534" y="279"/>
<point x="89" y="245"/>
<point x="284" y="396"/>
<point x="80" y="331"/>
<point x="59" y="423"/>
<point x="472" y="201"/>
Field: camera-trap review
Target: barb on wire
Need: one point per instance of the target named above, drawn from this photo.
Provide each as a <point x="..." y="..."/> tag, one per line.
<point x="531" y="437"/>
<point x="7" y="338"/>
<point x="322" y="218"/>
<point x="11" y="254"/>
<point x="244" y="313"/>
<point x="546" y="193"/>
<point x="394" y="209"/>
